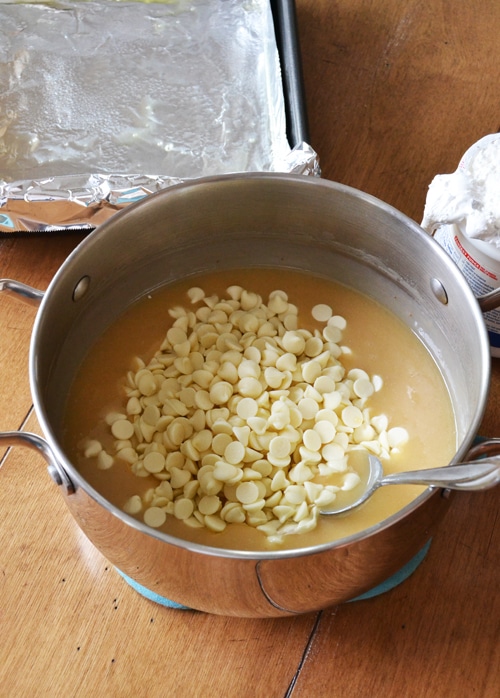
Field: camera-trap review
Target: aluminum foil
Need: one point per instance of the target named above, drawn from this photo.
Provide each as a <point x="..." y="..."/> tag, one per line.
<point x="103" y="103"/>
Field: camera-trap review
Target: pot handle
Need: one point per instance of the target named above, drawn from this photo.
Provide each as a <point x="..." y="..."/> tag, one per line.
<point x="35" y="442"/>
<point x="486" y="447"/>
<point x="489" y="301"/>
<point x="477" y="455"/>
<point x="26" y="293"/>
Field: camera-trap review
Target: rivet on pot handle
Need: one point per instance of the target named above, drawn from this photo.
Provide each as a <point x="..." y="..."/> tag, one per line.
<point x="22" y="438"/>
<point x="26" y="293"/>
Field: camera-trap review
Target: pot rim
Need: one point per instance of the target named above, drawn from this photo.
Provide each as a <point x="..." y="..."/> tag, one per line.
<point x="75" y="476"/>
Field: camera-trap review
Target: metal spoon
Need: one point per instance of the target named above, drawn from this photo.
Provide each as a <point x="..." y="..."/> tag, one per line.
<point x="475" y="475"/>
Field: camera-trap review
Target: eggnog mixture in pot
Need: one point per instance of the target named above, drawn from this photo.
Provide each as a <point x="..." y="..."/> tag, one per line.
<point x="228" y="409"/>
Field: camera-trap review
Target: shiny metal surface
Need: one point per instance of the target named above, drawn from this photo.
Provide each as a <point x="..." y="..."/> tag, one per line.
<point x="274" y="221"/>
<point x="30" y="295"/>
<point x="36" y="443"/>
<point x="489" y="301"/>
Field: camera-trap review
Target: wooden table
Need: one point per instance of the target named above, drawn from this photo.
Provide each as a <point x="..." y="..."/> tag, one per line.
<point x="396" y="92"/>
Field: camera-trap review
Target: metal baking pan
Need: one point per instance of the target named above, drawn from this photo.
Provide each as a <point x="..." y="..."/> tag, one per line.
<point x="260" y="124"/>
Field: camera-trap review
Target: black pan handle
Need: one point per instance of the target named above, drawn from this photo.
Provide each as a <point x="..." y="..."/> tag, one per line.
<point x="285" y="23"/>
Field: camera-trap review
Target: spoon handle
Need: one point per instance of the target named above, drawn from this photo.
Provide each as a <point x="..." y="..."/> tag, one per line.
<point x="474" y="475"/>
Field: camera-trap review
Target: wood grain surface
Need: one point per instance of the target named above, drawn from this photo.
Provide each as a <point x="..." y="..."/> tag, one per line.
<point x="396" y="92"/>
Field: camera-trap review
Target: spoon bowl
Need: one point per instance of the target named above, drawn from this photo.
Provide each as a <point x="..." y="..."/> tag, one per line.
<point x="474" y="475"/>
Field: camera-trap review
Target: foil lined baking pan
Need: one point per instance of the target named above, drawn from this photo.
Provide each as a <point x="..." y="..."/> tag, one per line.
<point x="103" y="102"/>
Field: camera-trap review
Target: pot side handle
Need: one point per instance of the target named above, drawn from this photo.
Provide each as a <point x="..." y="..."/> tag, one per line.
<point x="485" y="447"/>
<point x="478" y="456"/>
<point x="26" y="293"/>
<point x="489" y="301"/>
<point x="35" y="442"/>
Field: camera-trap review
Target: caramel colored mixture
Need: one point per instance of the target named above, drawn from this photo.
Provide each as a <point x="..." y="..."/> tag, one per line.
<point x="399" y="390"/>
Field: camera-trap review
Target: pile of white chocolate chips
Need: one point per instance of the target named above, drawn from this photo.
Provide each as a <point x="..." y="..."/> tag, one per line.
<point x="244" y="417"/>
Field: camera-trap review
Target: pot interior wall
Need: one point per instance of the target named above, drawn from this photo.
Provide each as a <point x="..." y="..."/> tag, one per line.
<point x="254" y="221"/>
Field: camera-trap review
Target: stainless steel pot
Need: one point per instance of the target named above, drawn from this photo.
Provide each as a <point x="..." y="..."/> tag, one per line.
<point x="237" y="221"/>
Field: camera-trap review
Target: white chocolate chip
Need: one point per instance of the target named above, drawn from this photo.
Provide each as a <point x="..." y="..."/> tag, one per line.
<point x="183" y="508"/>
<point x="154" y="462"/>
<point x="104" y="460"/>
<point x="154" y="517"/>
<point x="293" y="342"/>
<point x="122" y="429"/>
<point x="195" y="294"/>
<point x="397" y="437"/>
<point x="247" y="492"/>
<point x="351" y="480"/>
<point x="133" y="505"/>
<point x="92" y="448"/>
<point x="321" y="312"/>
<point x="234" y="452"/>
